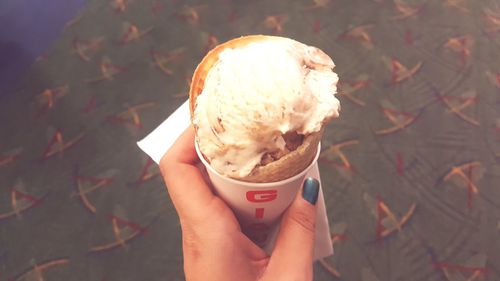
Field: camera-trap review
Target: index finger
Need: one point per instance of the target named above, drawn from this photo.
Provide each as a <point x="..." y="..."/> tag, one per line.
<point x="185" y="182"/>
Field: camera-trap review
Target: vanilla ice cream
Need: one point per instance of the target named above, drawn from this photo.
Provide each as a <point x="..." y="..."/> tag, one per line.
<point x="255" y="95"/>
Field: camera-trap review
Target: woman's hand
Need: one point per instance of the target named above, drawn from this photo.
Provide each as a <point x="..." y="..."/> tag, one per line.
<point x="214" y="246"/>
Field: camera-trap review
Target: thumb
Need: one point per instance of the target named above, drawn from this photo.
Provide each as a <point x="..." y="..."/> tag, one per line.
<point x="293" y="253"/>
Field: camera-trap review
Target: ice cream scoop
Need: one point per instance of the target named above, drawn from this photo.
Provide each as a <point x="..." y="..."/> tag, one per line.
<point x="259" y="105"/>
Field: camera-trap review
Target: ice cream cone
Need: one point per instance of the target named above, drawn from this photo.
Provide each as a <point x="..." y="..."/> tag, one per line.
<point x="288" y="165"/>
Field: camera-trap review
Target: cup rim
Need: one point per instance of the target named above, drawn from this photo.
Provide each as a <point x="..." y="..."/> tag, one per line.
<point x="257" y="184"/>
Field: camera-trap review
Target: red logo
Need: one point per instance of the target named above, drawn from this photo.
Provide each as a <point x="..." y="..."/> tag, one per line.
<point x="260" y="196"/>
<point x="259" y="213"/>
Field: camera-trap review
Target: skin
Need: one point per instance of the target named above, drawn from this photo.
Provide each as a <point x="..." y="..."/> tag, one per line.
<point x="214" y="246"/>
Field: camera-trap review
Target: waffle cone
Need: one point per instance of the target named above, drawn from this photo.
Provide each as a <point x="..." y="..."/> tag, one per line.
<point x="285" y="167"/>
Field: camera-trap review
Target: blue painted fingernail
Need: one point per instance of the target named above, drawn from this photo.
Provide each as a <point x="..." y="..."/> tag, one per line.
<point x="310" y="190"/>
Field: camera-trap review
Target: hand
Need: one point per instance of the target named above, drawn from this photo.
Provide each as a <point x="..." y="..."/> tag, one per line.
<point x="213" y="244"/>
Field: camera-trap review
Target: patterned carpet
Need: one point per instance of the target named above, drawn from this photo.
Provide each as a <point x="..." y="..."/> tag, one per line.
<point x="411" y="170"/>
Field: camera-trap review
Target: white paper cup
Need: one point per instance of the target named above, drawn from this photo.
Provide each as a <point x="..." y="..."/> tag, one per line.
<point x="257" y="206"/>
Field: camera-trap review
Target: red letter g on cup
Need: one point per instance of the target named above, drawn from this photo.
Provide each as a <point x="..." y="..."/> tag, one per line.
<point x="260" y="196"/>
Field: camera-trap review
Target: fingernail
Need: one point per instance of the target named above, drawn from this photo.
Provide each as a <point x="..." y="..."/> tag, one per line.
<point x="311" y="190"/>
